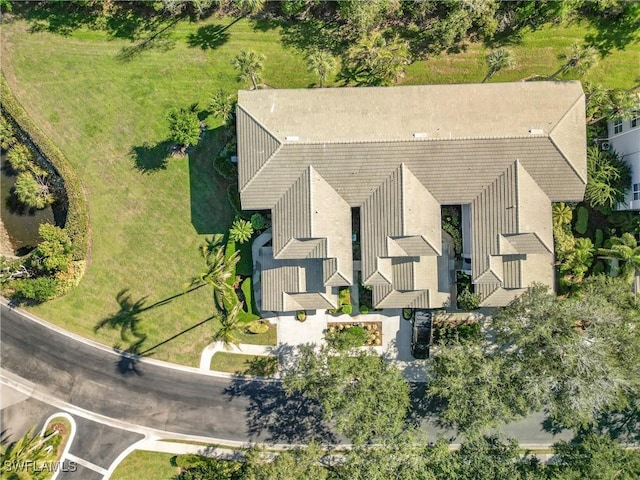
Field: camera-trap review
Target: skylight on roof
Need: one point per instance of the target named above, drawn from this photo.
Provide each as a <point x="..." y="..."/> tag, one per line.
<point x="536" y="131"/>
<point x="419" y="135"/>
<point x="292" y="138"/>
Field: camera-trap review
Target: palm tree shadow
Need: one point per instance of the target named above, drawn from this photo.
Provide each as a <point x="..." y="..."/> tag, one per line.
<point x="127" y="319"/>
<point x="208" y="37"/>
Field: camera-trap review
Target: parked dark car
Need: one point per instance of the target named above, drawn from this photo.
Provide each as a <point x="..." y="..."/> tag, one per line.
<point x="421" y="335"/>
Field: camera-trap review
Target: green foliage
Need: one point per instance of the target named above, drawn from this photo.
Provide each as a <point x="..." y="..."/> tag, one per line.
<point x="258" y="222"/>
<point x="257" y="327"/>
<point x="364" y="309"/>
<point x="468" y="301"/>
<point x="223" y="106"/>
<point x="220" y="268"/>
<point x="343" y="339"/>
<point x="321" y="63"/>
<point x="626" y="250"/>
<point x="577" y="59"/>
<point x="363" y="17"/>
<point x="609" y="178"/>
<point x="448" y="334"/>
<point x="184" y="126"/>
<point x="250" y="64"/>
<point x="347" y="309"/>
<point x="77" y="224"/>
<point x="233" y="195"/>
<point x="365" y="397"/>
<point x="224" y="167"/>
<point x="21" y="157"/>
<point x="247" y="291"/>
<point x="298" y="463"/>
<point x="32" y="191"/>
<point x="583" y="219"/>
<point x="375" y="61"/>
<point x="407" y="313"/>
<point x="54" y="252"/>
<point x="39" y="289"/>
<point x="195" y="467"/>
<point x="609" y="103"/>
<point x="599" y="238"/>
<point x="562" y="215"/>
<point x="577" y="261"/>
<point x="7" y="133"/>
<point x="301" y="315"/>
<point x="451" y="225"/>
<point x="497" y="60"/>
<point x="263" y="366"/>
<point x="241" y="231"/>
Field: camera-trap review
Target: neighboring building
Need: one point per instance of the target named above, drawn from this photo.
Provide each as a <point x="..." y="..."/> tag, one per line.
<point x="503" y="151"/>
<point x="624" y="138"/>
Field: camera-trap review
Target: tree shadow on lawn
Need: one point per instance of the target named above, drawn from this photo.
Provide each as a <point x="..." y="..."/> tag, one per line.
<point x="283" y="419"/>
<point x="614" y="32"/>
<point x="208" y="37"/>
<point x="211" y="211"/>
<point x="151" y="158"/>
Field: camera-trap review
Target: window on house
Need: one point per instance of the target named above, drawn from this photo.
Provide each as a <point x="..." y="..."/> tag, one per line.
<point x="634" y="119"/>
<point x="617" y="126"/>
<point x="636" y="191"/>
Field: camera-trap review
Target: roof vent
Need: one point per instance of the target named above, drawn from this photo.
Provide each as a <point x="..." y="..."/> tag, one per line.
<point x="419" y="135"/>
<point x="292" y="138"/>
<point x="536" y="131"/>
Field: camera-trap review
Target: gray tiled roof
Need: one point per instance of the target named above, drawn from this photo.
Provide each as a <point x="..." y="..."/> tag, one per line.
<point x="398" y="153"/>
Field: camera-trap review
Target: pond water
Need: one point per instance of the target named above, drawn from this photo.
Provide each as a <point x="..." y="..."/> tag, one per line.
<point x="19" y="224"/>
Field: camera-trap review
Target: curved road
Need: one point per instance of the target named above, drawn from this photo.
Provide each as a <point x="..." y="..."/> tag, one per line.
<point x="150" y="396"/>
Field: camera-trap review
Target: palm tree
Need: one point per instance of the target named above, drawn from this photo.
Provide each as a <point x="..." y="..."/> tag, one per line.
<point x="562" y="214"/>
<point x="241" y="230"/>
<point x="230" y="326"/>
<point x="579" y="58"/>
<point x="222" y="106"/>
<point x="624" y="249"/>
<point x="219" y="269"/>
<point x="250" y="65"/>
<point x="609" y="178"/>
<point x="321" y="63"/>
<point x="29" y="448"/>
<point x="614" y="104"/>
<point x="497" y="60"/>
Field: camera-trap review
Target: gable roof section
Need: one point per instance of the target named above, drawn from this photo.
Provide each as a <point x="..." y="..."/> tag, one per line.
<point x="255" y="146"/>
<point x="312" y="221"/>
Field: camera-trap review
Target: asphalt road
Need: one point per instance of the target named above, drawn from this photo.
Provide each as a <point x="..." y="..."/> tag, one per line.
<point x="151" y="396"/>
<point x="172" y="400"/>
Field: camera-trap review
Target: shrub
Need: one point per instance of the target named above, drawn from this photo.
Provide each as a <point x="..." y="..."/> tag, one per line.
<point x="457" y="238"/>
<point x="407" y="313"/>
<point x="599" y="238"/>
<point x="301" y="315"/>
<point x="364" y="309"/>
<point x="32" y="192"/>
<point x="258" y="221"/>
<point x="53" y="253"/>
<point x="468" y="301"/>
<point x="184" y="126"/>
<point x="77" y="224"/>
<point x="39" y="289"/>
<point x="21" y="157"/>
<point x="233" y="195"/>
<point x="347" y="309"/>
<point x="224" y="167"/>
<point x="344" y="296"/>
<point x="7" y="134"/>
<point x="258" y="327"/>
<point x="583" y="218"/>
<point x="346" y="338"/>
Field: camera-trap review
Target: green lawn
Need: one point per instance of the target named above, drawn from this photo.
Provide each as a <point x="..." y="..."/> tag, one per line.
<point x="239" y="363"/>
<point x="140" y="464"/>
<point x="108" y="116"/>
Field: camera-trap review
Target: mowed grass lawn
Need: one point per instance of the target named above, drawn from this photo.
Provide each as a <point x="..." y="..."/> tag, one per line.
<point x="141" y="464"/>
<point x="109" y="117"/>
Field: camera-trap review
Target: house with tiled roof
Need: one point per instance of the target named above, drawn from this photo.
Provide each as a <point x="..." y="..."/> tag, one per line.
<point x="504" y="151"/>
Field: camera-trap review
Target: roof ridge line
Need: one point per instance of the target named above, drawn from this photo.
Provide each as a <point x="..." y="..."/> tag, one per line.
<point x="278" y="148"/>
<point x="410" y="140"/>
<point x="553" y="142"/>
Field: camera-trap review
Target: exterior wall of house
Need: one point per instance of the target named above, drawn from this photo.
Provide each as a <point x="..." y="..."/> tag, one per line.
<point x="624" y="138"/>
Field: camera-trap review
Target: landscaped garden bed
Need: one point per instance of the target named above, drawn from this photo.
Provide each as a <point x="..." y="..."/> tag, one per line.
<point x="356" y="334"/>
<point x="449" y="329"/>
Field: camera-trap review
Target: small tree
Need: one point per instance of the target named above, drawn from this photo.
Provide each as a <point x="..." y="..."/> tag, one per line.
<point x="54" y="251"/>
<point x="258" y="222"/>
<point x="241" y="231"/>
<point x="184" y="127"/>
<point x="609" y="178"/>
<point x="7" y="135"/>
<point x="32" y="191"/>
<point x="250" y="65"/>
<point x="626" y="250"/>
<point x="222" y="106"/>
<point x="497" y="60"/>
<point x="468" y="301"/>
<point x="321" y="63"/>
<point x="231" y="325"/>
<point x="579" y="58"/>
<point x="21" y="157"/>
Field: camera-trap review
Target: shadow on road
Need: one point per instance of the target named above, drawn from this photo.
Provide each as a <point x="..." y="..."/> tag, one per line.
<point x="281" y="419"/>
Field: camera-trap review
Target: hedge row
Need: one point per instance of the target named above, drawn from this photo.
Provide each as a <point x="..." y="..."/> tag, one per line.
<point x="77" y="224"/>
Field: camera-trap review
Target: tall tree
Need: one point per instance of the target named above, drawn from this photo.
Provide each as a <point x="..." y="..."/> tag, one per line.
<point x="33" y="191"/>
<point x="624" y="249"/>
<point x="250" y="65"/>
<point x="321" y="63"/>
<point x="184" y="127"/>
<point x="298" y="463"/>
<point x="231" y="325"/>
<point x="28" y="448"/>
<point x="578" y="58"/>
<point x="218" y="269"/>
<point x="497" y="60"/>
<point x="374" y="60"/>
<point x="363" y="395"/>
<point x="608" y="178"/>
<point x="611" y="104"/>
